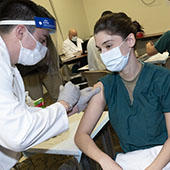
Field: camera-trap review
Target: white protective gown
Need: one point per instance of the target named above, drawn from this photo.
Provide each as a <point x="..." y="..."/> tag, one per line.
<point x="69" y="48"/>
<point x="22" y="127"/>
<point x="94" y="59"/>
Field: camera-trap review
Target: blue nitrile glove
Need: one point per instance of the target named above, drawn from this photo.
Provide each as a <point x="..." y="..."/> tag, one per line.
<point x="86" y="95"/>
<point x="69" y="93"/>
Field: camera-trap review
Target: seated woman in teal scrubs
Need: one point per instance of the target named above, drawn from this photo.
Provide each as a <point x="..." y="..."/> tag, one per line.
<point x="138" y="98"/>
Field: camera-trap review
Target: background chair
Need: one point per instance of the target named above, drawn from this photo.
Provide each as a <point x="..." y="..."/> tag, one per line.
<point x="93" y="76"/>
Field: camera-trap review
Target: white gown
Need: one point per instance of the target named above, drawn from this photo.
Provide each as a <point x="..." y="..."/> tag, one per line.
<point x="69" y="48"/>
<point x="94" y="59"/>
<point x="22" y="127"/>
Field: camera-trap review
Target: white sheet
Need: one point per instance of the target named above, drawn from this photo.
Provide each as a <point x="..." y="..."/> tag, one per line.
<point x="139" y="160"/>
<point x="158" y="58"/>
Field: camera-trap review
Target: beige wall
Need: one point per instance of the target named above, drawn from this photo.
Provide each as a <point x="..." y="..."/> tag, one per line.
<point x="70" y="14"/>
<point x="154" y="18"/>
<point x="82" y="15"/>
<point x="46" y="4"/>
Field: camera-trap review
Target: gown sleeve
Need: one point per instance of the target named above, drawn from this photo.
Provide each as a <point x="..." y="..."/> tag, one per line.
<point x="23" y="127"/>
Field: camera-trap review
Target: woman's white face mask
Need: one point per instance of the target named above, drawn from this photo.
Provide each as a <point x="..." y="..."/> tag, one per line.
<point x="114" y="60"/>
<point x="32" y="57"/>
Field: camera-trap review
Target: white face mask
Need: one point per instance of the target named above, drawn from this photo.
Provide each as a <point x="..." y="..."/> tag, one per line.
<point x="114" y="60"/>
<point x="74" y="38"/>
<point x="31" y="57"/>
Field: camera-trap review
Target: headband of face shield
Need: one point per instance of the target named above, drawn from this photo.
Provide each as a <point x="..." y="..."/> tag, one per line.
<point x="39" y="22"/>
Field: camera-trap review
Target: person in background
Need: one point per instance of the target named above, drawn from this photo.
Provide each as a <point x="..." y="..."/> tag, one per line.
<point x="138" y="98"/>
<point x="161" y="45"/>
<point x="72" y="46"/>
<point x="23" y="39"/>
<point x="93" y="55"/>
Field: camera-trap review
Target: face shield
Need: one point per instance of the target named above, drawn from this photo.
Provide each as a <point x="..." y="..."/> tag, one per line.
<point x="39" y="22"/>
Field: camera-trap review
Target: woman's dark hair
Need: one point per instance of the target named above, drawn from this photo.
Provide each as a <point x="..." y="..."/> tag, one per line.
<point x="138" y="26"/>
<point x="19" y="10"/>
<point x="106" y="13"/>
<point x="116" y="24"/>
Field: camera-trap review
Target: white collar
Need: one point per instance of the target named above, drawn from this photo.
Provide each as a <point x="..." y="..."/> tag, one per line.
<point x="4" y="49"/>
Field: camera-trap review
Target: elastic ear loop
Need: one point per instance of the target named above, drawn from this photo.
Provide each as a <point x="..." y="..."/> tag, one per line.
<point x="20" y="43"/>
<point x="123" y="42"/>
<point x="31" y="35"/>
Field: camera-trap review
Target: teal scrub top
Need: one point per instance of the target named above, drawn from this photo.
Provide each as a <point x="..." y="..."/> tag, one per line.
<point x="141" y="124"/>
<point x="163" y="43"/>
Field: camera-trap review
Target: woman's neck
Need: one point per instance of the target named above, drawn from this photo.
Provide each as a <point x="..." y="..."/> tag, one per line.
<point x="132" y="69"/>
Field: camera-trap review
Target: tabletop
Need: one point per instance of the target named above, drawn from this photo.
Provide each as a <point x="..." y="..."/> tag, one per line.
<point x="74" y="59"/>
<point x="84" y="68"/>
<point x="63" y="144"/>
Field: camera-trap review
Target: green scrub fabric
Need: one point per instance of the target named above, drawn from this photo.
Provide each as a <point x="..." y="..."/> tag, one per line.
<point x="163" y="43"/>
<point x="139" y="125"/>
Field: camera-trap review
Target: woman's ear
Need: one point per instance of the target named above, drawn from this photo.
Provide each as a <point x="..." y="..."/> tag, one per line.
<point x="20" y="31"/>
<point x="131" y="40"/>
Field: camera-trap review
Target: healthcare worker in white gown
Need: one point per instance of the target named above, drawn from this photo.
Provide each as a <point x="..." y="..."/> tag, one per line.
<point x="21" y="126"/>
<point x="72" y="46"/>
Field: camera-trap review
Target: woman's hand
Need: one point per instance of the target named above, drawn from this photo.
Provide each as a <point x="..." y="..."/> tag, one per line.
<point x="109" y="164"/>
<point x="149" y="168"/>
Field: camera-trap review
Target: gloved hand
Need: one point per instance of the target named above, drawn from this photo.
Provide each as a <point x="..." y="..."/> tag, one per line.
<point x="69" y="93"/>
<point x="86" y="95"/>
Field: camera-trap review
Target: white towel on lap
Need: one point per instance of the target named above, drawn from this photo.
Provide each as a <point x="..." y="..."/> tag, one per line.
<point x="140" y="159"/>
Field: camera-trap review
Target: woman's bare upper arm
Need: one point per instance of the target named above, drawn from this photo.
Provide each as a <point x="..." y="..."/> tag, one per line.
<point x="93" y="112"/>
<point x="167" y="118"/>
